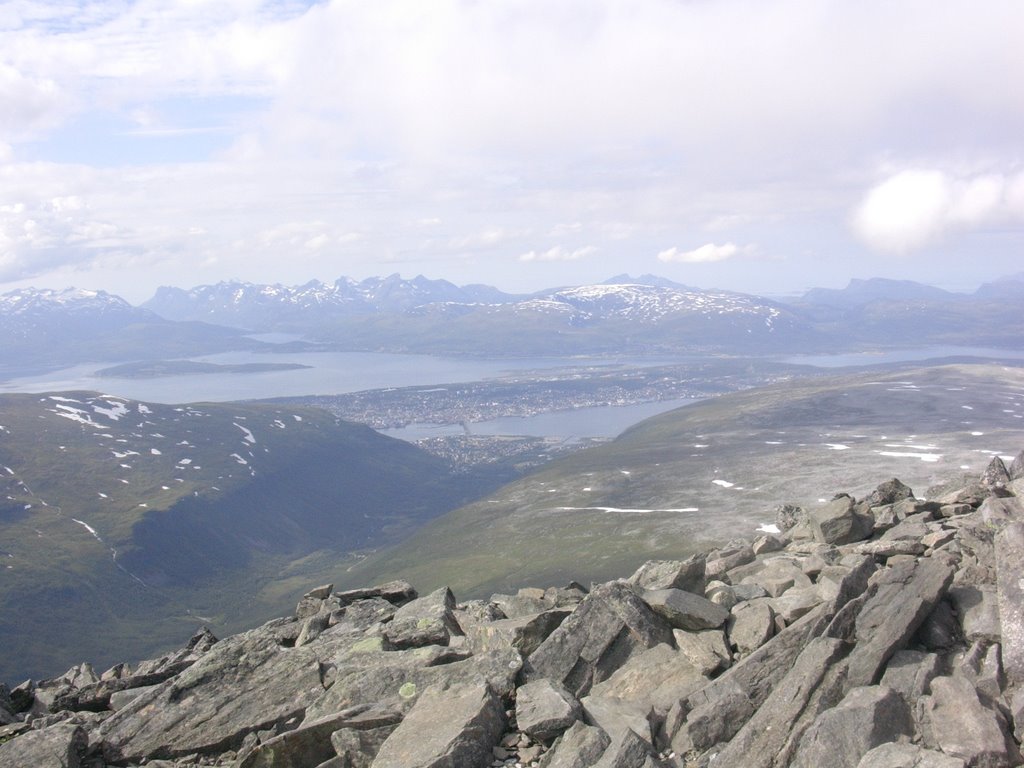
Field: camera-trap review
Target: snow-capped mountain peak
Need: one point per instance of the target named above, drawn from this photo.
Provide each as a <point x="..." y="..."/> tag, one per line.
<point x="32" y="300"/>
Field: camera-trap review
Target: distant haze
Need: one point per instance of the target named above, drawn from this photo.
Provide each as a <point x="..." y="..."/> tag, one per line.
<point x="758" y="147"/>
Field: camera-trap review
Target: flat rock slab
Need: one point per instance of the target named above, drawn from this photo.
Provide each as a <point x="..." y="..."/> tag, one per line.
<point x="616" y="716"/>
<point x="545" y="710"/>
<point x="763" y="741"/>
<point x="751" y="625"/>
<point x="1009" y="552"/>
<point x="311" y="744"/>
<point x="963" y="727"/>
<point x="398" y="678"/>
<point x="707" y="650"/>
<point x="909" y="673"/>
<point x="865" y="718"/>
<point x="59" y="746"/>
<point x="579" y="747"/>
<point x="886" y="548"/>
<point x="711" y="723"/>
<point x="607" y="628"/>
<point x="396" y="592"/>
<point x="687" y="575"/>
<point x="904" y="597"/>
<point x="685" y="610"/>
<point x="756" y="675"/>
<point x="524" y="633"/>
<point x="629" y="751"/>
<point x="243" y="684"/>
<point x="978" y="609"/>
<point x="447" y="727"/>
<point x="428" y="620"/>
<point x="907" y="756"/>
<point x="838" y="522"/>
<point x="357" y="747"/>
<point x="657" y="677"/>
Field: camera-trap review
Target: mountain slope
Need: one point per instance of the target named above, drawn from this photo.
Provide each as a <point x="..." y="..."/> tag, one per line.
<point x="861" y="292"/>
<point x="879" y="312"/>
<point x="712" y="471"/>
<point x="593" y="319"/>
<point x="46" y="329"/>
<point x="144" y="513"/>
<point x="623" y="315"/>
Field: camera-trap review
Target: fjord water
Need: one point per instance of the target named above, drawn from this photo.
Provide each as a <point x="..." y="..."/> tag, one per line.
<point x="340" y="372"/>
<point x="328" y="373"/>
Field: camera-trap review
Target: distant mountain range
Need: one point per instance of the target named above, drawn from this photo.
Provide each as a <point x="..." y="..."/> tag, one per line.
<point x="298" y="308"/>
<point x="646" y="315"/>
<point x="45" y="330"/>
<point x="861" y="292"/>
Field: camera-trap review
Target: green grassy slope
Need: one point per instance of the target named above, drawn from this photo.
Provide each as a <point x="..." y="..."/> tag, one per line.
<point x="713" y="471"/>
<point x="122" y="523"/>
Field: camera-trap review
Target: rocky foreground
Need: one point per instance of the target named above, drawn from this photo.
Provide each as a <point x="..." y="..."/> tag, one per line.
<point x="881" y="633"/>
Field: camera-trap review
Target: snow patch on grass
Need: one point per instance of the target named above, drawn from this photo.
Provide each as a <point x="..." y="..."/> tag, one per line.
<point x="625" y="511"/>
<point x="247" y="435"/>
<point x="114" y="412"/>
<point x="930" y="457"/>
<point x="88" y="527"/>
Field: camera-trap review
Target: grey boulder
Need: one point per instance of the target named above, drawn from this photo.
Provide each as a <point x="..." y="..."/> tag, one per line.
<point x="545" y="709"/>
<point x="865" y="718"/>
<point x="607" y="628"/>
<point x="447" y="727"/>
<point x="839" y="522"/>
<point x="685" y="610"/>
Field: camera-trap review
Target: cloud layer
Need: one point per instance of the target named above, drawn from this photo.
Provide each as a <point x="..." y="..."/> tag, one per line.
<point x="915" y="208"/>
<point x="281" y="140"/>
<point x="705" y="254"/>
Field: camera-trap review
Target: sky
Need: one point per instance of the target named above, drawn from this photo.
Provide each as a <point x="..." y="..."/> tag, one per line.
<point x="764" y="146"/>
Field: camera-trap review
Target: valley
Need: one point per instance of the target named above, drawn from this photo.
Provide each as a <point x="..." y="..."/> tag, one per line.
<point x="152" y="485"/>
<point x="123" y="523"/>
<point x="698" y="476"/>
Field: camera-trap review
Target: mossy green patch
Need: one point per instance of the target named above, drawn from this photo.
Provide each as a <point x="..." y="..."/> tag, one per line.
<point x="407" y="691"/>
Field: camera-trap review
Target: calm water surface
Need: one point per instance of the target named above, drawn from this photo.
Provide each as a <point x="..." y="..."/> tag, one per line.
<point x="341" y="372"/>
<point x="330" y="373"/>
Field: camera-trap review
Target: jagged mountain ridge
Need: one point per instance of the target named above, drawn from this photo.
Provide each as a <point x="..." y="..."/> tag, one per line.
<point x="879" y="632"/>
<point x="631" y="318"/>
<point x="279" y="307"/>
<point x="141" y="512"/>
<point x="369" y="312"/>
<point x="644" y="314"/>
<point x="626" y="316"/>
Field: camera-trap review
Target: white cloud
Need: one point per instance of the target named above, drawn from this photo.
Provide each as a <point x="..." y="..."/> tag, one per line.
<point x="558" y="253"/>
<point x="488" y="238"/>
<point x="198" y="133"/>
<point x="317" y="242"/>
<point x="916" y="208"/>
<point x="707" y="253"/>
<point x="724" y="222"/>
<point x="29" y="103"/>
